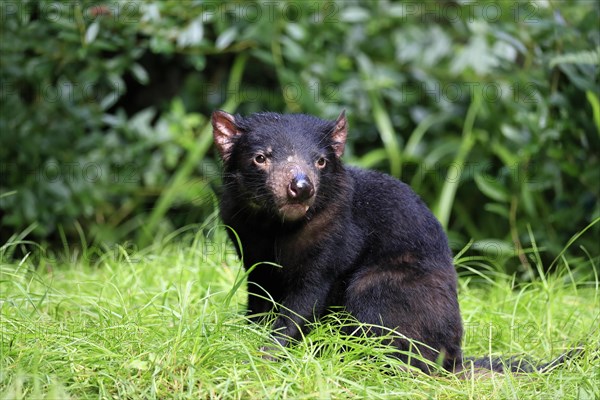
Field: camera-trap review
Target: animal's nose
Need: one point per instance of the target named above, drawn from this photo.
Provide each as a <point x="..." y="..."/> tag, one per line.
<point x="300" y="189"/>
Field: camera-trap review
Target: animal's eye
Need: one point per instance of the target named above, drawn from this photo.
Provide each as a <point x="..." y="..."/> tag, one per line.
<point x="321" y="162"/>
<point x="260" y="159"/>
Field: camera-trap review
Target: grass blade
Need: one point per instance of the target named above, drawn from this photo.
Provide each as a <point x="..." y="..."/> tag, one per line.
<point x="444" y="205"/>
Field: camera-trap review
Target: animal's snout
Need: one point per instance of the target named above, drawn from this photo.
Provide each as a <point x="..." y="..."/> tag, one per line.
<point x="300" y="188"/>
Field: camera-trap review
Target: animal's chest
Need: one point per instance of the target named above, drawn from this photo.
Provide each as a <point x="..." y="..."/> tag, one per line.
<point x="292" y="254"/>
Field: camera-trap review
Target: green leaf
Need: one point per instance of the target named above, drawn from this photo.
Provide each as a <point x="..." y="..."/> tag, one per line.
<point x="139" y="73"/>
<point x="447" y="196"/>
<point x="582" y="57"/>
<point x="372" y="158"/>
<point x="494" y="247"/>
<point x="226" y="38"/>
<point x="499" y="209"/>
<point x="491" y="188"/>
<point x="354" y="14"/>
<point x="593" y="99"/>
<point x="296" y="31"/>
<point x="92" y="32"/>
<point x="192" y="35"/>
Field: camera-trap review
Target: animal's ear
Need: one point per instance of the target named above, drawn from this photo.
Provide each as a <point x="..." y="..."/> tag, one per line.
<point x="224" y="132"/>
<point x="339" y="134"/>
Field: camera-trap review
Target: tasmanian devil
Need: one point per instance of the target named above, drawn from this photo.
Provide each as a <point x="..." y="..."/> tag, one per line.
<point x="341" y="237"/>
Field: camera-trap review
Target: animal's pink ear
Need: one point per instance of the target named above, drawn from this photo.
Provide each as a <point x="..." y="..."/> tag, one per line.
<point x="339" y="134"/>
<point x="224" y="132"/>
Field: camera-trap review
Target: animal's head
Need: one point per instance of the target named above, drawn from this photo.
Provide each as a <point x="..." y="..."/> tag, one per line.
<point x="280" y="163"/>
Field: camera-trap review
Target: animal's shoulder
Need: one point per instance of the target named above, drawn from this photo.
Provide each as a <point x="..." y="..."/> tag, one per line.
<point x="380" y="189"/>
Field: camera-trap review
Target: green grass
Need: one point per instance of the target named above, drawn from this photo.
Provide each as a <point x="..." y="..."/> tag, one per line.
<point x="164" y="323"/>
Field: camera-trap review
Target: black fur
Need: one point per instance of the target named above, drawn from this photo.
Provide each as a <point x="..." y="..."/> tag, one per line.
<point x="345" y="237"/>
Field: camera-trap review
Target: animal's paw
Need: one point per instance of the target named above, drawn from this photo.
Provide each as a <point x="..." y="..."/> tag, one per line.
<point x="269" y="353"/>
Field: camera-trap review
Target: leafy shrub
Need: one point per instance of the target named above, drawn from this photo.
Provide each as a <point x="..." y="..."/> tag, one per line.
<point x="486" y="109"/>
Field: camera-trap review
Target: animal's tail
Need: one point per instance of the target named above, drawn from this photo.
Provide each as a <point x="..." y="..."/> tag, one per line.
<point x="517" y="364"/>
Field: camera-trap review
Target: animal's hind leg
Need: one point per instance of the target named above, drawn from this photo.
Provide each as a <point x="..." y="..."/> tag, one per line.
<point x="423" y="308"/>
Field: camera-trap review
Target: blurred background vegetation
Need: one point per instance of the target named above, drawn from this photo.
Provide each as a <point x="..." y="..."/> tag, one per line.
<point x="488" y="109"/>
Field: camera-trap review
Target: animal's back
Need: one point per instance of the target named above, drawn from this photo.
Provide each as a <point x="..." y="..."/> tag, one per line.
<point x="395" y="218"/>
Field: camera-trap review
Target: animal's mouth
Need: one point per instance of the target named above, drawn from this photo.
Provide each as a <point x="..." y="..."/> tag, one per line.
<point x="293" y="193"/>
<point x="294" y="211"/>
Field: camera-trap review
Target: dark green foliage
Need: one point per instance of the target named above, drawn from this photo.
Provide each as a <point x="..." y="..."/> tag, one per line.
<point x="486" y="109"/>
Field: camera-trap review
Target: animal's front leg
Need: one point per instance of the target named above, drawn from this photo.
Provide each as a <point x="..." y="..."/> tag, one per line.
<point x="258" y="305"/>
<point x="264" y="291"/>
<point x="302" y="305"/>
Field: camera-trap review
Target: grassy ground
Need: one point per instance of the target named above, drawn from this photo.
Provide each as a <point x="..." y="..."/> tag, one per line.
<point x="165" y="323"/>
